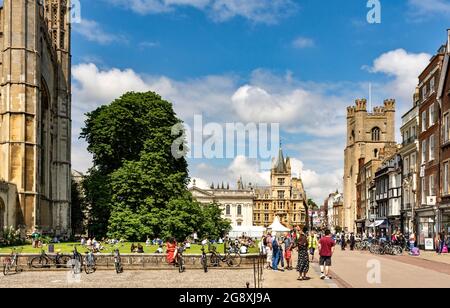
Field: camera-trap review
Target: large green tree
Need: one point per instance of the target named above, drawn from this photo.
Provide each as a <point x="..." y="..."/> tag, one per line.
<point x="138" y="187"/>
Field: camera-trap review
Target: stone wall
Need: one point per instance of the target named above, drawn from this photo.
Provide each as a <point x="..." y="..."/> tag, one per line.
<point x="143" y="261"/>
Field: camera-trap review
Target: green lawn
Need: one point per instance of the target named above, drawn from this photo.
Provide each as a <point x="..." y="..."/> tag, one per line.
<point x="124" y="248"/>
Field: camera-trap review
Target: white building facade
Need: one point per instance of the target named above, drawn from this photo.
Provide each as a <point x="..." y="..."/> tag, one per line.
<point x="236" y="204"/>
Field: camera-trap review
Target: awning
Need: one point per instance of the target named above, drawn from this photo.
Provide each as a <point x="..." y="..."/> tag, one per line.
<point x="377" y="223"/>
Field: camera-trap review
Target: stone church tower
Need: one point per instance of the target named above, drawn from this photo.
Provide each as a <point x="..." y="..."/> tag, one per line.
<point x="35" y="115"/>
<point x="368" y="134"/>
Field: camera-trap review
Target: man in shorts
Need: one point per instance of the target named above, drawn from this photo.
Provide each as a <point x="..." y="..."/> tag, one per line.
<point x="326" y="250"/>
<point x="288" y="251"/>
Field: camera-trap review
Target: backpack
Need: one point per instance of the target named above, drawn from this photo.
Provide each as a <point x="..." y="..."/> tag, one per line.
<point x="415" y="251"/>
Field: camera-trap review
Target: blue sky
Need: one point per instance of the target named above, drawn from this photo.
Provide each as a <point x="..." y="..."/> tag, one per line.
<point x="297" y="63"/>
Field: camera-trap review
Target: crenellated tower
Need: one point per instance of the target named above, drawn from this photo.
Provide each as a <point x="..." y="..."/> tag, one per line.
<point x="368" y="133"/>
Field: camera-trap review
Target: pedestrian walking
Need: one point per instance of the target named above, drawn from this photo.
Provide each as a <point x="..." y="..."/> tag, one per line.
<point x="312" y="244"/>
<point x="412" y="241"/>
<point x="281" y="255"/>
<point x="303" y="258"/>
<point x="326" y="250"/>
<point x="269" y="254"/>
<point x="352" y="241"/>
<point x="288" y="251"/>
<point x="275" y="253"/>
<point x="441" y="240"/>
<point x="343" y="243"/>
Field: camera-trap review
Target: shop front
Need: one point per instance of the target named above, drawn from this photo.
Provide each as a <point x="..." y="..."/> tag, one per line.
<point x="394" y="223"/>
<point x="426" y="229"/>
<point x="445" y="219"/>
<point x="360" y="226"/>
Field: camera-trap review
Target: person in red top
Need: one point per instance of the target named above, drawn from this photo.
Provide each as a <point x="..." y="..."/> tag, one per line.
<point x="172" y="249"/>
<point x="326" y="250"/>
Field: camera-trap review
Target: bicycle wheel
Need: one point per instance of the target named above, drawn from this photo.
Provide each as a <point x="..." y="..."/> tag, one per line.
<point x="397" y="250"/>
<point x="234" y="259"/>
<point x="215" y="260"/>
<point x="39" y="262"/>
<point x="62" y="261"/>
<point x="89" y="265"/>
<point x="205" y="264"/>
<point x="6" y="267"/>
<point x="89" y="269"/>
<point x="119" y="268"/>
<point x="182" y="268"/>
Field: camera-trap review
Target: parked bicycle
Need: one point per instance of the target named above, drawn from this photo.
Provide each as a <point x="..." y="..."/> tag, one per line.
<point x="117" y="261"/>
<point x="77" y="260"/>
<point x="204" y="260"/>
<point x="12" y="263"/>
<point x="46" y="261"/>
<point x="363" y="245"/>
<point x="382" y="248"/>
<point x="180" y="260"/>
<point x="89" y="263"/>
<point x="232" y="258"/>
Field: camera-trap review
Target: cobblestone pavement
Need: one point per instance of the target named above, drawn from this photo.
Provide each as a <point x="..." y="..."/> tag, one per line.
<point x="131" y="279"/>
<point x="432" y="256"/>
<point x="288" y="279"/>
<point x="361" y="269"/>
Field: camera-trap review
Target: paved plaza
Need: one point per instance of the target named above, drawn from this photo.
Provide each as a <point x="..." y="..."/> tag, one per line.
<point x="131" y="279"/>
<point x="351" y="269"/>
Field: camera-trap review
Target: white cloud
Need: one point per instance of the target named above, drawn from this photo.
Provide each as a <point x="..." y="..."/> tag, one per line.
<point x="428" y="7"/>
<point x="298" y="109"/>
<point x="92" y="31"/>
<point x="147" y="44"/>
<point x="258" y="11"/>
<point x="303" y="42"/>
<point x="317" y="185"/>
<point x="404" y="68"/>
<point x="313" y="115"/>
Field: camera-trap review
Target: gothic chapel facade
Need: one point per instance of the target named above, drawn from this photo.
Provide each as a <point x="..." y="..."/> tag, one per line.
<point x="35" y="115"/>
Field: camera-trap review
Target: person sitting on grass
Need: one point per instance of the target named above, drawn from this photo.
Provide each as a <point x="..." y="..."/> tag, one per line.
<point x="133" y="248"/>
<point x="140" y="248"/>
<point x="160" y="249"/>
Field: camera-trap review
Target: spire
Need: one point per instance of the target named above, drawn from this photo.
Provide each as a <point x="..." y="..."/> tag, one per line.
<point x="280" y="164"/>
<point x="212" y="185"/>
<point x="223" y="187"/>
<point x="228" y="186"/>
